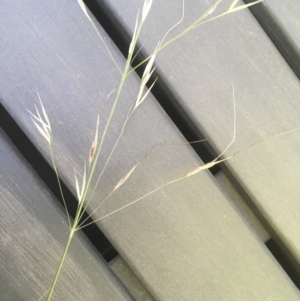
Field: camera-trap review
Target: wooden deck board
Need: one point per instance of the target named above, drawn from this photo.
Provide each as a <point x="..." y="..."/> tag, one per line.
<point x="33" y="233"/>
<point x="280" y="21"/>
<point x="200" y="70"/>
<point x="182" y="242"/>
<point x="287" y="14"/>
<point x="130" y="280"/>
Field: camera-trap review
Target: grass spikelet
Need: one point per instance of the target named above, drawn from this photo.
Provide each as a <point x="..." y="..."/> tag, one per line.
<point x="95" y="143"/>
<point x="45" y="128"/>
<point x="201" y="168"/>
<point x="78" y="190"/>
<point x="146" y="8"/>
<point x="125" y="178"/>
<point x="134" y="37"/>
<point x="233" y="9"/>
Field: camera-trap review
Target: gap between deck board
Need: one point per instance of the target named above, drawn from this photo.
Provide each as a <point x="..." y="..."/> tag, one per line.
<point x="278" y="35"/>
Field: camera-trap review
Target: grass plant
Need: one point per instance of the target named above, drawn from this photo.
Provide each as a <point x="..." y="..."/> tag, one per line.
<point x="85" y="188"/>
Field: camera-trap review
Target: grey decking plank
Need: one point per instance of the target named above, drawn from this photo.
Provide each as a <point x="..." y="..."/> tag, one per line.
<point x="184" y="241"/>
<point x="281" y="22"/>
<point x="130" y="280"/>
<point x="241" y="206"/>
<point x="33" y="234"/>
<point x="200" y="69"/>
<point x="287" y="14"/>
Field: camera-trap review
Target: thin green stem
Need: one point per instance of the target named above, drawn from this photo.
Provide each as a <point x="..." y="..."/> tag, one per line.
<point x="133" y="202"/>
<point x="126" y="68"/>
<point x="83" y="7"/>
<point x="105" y="166"/>
<point x="59" y="184"/>
<point x="61" y="263"/>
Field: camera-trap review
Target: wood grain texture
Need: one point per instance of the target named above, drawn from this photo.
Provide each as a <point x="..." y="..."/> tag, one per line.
<point x="184" y="242"/>
<point x="33" y="233"/>
<point x="241" y="206"/>
<point x="280" y="20"/>
<point x="200" y="70"/>
<point x="287" y="14"/>
<point x="130" y="280"/>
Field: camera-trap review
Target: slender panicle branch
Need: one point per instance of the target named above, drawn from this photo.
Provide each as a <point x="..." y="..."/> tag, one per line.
<point x="126" y="177"/>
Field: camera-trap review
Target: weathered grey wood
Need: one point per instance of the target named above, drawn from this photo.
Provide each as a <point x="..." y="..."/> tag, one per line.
<point x="33" y="233"/>
<point x="130" y="280"/>
<point x="200" y="70"/>
<point x="241" y="207"/>
<point x="184" y="241"/>
<point x="280" y="20"/>
<point x="287" y="15"/>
